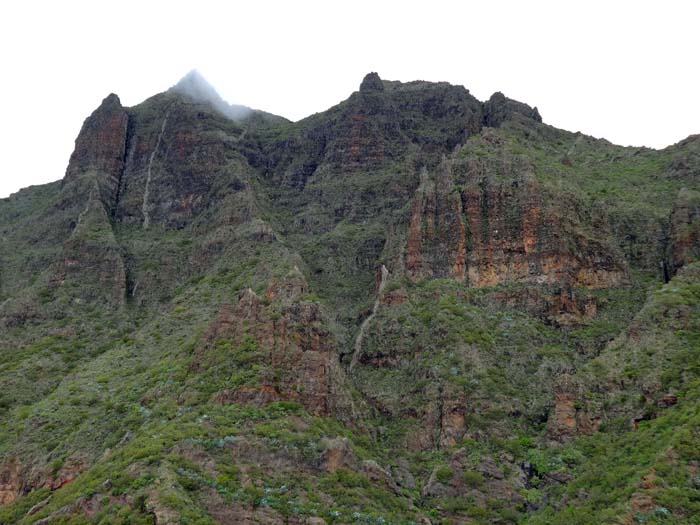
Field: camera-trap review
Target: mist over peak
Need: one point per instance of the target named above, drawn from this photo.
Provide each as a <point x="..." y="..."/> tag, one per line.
<point x="196" y="87"/>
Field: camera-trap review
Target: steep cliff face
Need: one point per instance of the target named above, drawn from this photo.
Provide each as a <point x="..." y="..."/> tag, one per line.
<point x="632" y="381"/>
<point x="376" y="127"/>
<point x="72" y="254"/>
<point x="179" y="155"/>
<point x="413" y="307"/>
<point x="282" y="347"/>
<point x="100" y="149"/>
<point x="684" y="242"/>
<point x="508" y="227"/>
<point x="489" y="222"/>
<point x="437" y="235"/>
<point x="345" y="176"/>
<point x="569" y="416"/>
<point x="92" y="267"/>
<point x="11" y="482"/>
<point x="634" y="396"/>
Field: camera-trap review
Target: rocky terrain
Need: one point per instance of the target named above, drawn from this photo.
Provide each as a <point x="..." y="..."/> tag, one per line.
<point x="414" y="308"/>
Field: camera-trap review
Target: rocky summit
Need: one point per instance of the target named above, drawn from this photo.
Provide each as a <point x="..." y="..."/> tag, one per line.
<point x="412" y="308"/>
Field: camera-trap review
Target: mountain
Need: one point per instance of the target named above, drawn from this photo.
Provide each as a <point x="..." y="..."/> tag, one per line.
<point x="414" y="307"/>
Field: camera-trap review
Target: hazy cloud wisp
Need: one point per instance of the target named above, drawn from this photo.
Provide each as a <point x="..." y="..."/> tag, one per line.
<point x="195" y="86"/>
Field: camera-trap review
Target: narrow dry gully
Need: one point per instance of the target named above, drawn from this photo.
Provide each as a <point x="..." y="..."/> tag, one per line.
<point x="365" y="324"/>
<point x="144" y="207"/>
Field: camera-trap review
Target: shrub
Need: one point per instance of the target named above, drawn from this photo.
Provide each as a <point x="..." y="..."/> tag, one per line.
<point x="473" y="479"/>
<point x="444" y="474"/>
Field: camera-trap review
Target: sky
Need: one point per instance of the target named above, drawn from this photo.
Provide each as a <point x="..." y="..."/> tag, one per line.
<point x="623" y="70"/>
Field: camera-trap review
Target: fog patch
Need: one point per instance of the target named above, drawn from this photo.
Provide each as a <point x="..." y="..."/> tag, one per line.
<point x="194" y="86"/>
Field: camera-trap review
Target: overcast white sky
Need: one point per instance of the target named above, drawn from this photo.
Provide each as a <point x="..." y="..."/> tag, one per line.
<point x="623" y="70"/>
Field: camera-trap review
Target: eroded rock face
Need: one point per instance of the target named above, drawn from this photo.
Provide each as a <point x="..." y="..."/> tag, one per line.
<point x="371" y="82"/>
<point x="561" y="304"/>
<point x="684" y="245"/>
<point x="100" y="148"/>
<point x="463" y="478"/>
<point x="70" y="470"/>
<point x="377" y="126"/>
<point x="301" y="357"/>
<point x="498" y="109"/>
<point x="92" y="265"/>
<point x="570" y="417"/>
<point x="15" y="481"/>
<point x="337" y="453"/>
<point x="179" y="155"/>
<point x="403" y="476"/>
<point x="379" y="476"/>
<point x="437" y="235"/>
<point x="11" y="481"/>
<point x="177" y="197"/>
<point x="490" y="223"/>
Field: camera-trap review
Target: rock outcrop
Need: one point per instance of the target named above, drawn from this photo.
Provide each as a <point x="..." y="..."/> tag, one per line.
<point x="92" y="267"/>
<point x="684" y="244"/>
<point x="487" y="223"/>
<point x="376" y="127"/>
<point x="100" y="149"/>
<point x="299" y="355"/>
<point x="569" y="417"/>
<point x="499" y="109"/>
<point x="371" y="82"/>
<point x="462" y="478"/>
<point x="437" y="234"/>
<point x="177" y="159"/>
<point x="11" y="481"/>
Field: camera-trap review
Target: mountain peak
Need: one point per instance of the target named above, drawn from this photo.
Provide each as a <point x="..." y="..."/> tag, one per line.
<point x="194" y="86"/>
<point x="371" y="82"/>
<point x="111" y="100"/>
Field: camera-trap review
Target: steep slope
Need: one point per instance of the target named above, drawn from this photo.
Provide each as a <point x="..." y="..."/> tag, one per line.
<point x="413" y="307"/>
<point x="646" y="380"/>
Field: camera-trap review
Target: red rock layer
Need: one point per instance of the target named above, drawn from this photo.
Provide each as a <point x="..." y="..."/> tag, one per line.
<point x="501" y="226"/>
<point x="301" y="357"/>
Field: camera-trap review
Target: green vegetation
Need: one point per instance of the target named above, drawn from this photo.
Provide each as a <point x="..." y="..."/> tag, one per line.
<point x="197" y="371"/>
